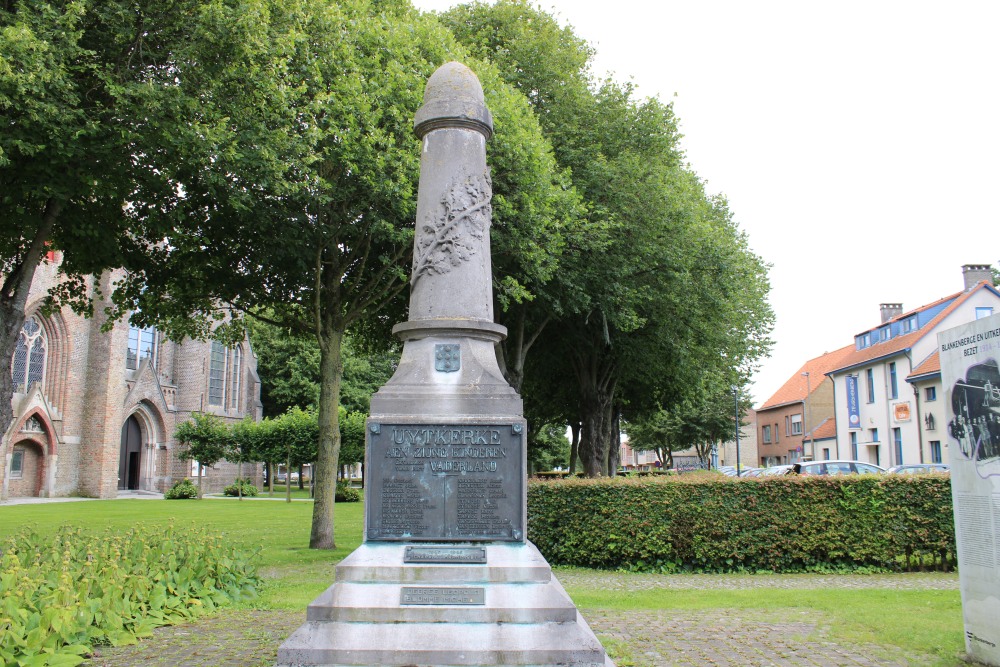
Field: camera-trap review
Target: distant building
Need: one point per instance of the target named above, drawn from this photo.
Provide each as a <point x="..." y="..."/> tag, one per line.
<point x="95" y="412"/>
<point x="888" y="395"/>
<point x="647" y="460"/>
<point x="796" y="423"/>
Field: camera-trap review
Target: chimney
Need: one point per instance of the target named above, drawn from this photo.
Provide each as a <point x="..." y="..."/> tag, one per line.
<point x="890" y="310"/>
<point x="974" y="273"/>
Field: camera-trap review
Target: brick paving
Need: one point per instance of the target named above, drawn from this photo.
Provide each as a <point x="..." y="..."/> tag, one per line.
<point x="719" y="637"/>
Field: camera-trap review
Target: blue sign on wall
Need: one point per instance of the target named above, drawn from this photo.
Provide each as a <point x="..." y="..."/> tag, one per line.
<point x="853" y="417"/>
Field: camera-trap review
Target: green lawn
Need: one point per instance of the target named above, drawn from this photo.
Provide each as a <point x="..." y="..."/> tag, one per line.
<point x="916" y="621"/>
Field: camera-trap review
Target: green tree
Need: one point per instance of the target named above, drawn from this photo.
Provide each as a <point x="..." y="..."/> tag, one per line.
<point x="293" y="439"/>
<point x="667" y="284"/>
<point x="346" y="81"/>
<point x="206" y="439"/>
<point x="352" y="435"/>
<point x="93" y="119"/>
<point x="245" y="445"/>
<point x="288" y="365"/>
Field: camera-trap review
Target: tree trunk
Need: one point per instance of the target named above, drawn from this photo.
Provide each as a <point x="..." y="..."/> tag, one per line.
<point x="201" y="473"/>
<point x="327" y="460"/>
<point x="574" y="448"/>
<point x="593" y="438"/>
<point x="614" y="441"/>
<point x="13" y="297"/>
<point x="513" y="351"/>
<point x="288" y="476"/>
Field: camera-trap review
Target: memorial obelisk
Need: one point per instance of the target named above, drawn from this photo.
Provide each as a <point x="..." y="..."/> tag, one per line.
<point x="445" y="576"/>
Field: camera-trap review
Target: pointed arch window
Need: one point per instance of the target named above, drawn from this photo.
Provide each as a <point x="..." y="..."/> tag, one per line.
<point x="28" y="364"/>
<point x="217" y="374"/>
<point x="234" y="387"/>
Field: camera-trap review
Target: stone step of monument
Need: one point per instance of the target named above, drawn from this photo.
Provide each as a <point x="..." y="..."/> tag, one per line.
<point x="388" y="562"/>
<point x="496" y="603"/>
<point x="322" y="644"/>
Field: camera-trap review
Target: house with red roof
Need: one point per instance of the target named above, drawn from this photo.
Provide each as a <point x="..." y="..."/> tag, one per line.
<point x="796" y="423"/>
<point x="888" y="400"/>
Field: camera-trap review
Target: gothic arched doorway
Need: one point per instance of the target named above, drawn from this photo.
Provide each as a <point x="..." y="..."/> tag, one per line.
<point x="130" y="459"/>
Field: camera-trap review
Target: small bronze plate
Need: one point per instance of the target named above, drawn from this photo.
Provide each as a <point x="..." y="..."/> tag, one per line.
<point x="442" y="596"/>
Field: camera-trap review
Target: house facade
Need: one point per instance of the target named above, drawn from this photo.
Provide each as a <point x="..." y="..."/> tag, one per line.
<point x="95" y="411"/>
<point x="887" y="391"/>
<point x="794" y="424"/>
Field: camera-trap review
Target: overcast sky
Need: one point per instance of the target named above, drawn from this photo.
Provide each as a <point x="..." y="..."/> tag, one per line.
<point x="858" y="142"/>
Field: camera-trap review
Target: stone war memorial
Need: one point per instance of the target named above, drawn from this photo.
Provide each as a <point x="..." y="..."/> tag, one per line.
<point x="445" y="575"/>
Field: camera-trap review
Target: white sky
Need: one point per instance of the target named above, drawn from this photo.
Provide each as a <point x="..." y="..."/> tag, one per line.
<point x="857" y="141"/>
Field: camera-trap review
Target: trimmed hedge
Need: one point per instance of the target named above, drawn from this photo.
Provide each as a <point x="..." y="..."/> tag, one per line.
<point x="779" y="524"/>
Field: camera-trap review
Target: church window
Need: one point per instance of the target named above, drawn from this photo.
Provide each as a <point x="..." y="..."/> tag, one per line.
<point x="141" y="344"/>
<point x="29" y="356"/>
<point x="17" y="463"/>
<point x="234" y="387"/>
<point x="217" y="374"/>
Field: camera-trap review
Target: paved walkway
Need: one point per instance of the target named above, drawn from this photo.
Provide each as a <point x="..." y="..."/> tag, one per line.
<point x="720" y="637"/>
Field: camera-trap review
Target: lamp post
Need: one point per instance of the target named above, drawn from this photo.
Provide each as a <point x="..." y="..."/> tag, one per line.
<point x="736" y="404"/>
<point x="808" y="420"/>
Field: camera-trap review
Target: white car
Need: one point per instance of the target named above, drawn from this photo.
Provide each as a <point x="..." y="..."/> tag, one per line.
<point x="837" y="468"/>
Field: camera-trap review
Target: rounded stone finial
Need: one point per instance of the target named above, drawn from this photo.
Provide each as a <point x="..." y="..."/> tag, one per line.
<point x="453" y="98"/>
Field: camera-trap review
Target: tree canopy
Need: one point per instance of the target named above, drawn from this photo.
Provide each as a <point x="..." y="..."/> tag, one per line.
<point x="667" y="293"/>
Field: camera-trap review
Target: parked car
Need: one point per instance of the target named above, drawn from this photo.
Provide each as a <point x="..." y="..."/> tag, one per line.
<point x="750" y="472"/>
<point x="919" y="468"/>
<point x="729" y="471"/>
<point x="775" y="470"/>
<point x="837" y="468"/>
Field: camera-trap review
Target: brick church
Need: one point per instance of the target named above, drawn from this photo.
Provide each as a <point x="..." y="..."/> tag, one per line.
<point x="95" y="412"/>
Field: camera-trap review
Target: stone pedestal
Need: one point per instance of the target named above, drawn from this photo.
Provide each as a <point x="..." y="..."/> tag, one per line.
<point x="381" y="612"/>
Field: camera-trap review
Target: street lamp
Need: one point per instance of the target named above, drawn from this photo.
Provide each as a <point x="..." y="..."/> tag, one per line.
<point x="812" y="445"/>
<point x="736" y="403"/>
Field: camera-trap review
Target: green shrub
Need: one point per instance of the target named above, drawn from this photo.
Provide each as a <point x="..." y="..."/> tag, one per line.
<point x="781" y="524"/>
<point x="181" y="490"/>
<point x="248" y="488"/>
<point x="61" y="595"/>
<point x="345" y="493"/>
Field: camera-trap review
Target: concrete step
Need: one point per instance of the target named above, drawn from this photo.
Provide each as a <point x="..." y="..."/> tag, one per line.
<point x="326" y="644"/>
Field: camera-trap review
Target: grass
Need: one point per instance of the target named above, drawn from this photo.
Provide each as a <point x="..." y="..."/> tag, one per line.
<point x="926" y="622"/>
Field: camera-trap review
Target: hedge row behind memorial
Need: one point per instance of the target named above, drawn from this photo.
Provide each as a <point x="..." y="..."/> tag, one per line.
<point x="781" y="524"/>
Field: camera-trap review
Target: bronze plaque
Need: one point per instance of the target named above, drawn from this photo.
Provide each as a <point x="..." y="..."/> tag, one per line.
<point x="437" y="595"/>
<point x="475" y="555"/>
<point x="445" y="482"/>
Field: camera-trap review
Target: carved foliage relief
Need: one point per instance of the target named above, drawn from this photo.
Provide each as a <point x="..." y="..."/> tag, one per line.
<point x="453" y="232"/>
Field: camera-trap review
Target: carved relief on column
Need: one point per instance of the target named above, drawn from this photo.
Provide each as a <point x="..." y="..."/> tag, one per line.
<point x="453" y="233"/>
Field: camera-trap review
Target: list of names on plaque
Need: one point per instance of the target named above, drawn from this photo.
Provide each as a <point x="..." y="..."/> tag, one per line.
<point x="478" y="507"/>
<point x="446" y="482"/>
<point x="403" y="508"/>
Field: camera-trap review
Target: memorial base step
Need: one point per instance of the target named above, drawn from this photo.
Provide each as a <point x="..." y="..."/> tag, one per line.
<point x="383" y="610"/>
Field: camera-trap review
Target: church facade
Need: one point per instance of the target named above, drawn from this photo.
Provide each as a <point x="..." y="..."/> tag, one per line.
<point x="95" y="411"/>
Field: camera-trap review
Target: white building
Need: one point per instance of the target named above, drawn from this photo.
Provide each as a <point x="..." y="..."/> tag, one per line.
<point x="887" y="392"/>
